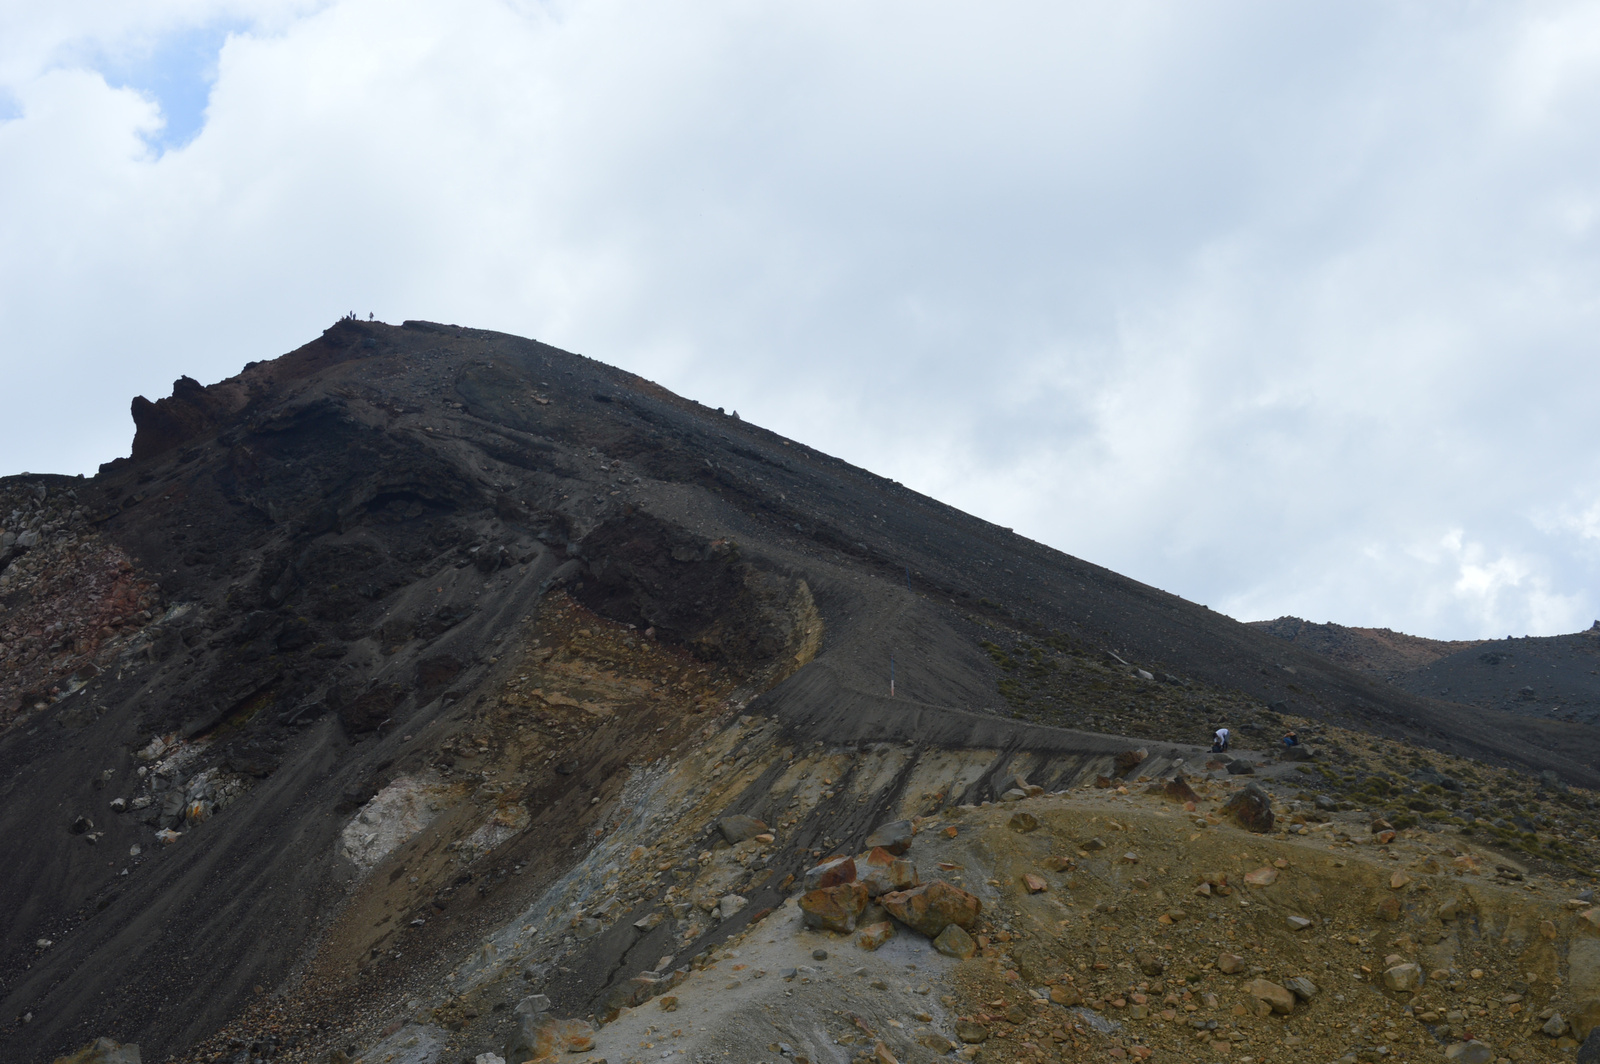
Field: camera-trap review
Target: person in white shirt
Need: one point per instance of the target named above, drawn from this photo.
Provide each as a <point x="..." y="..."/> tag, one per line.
<point x="1219" y="744"/>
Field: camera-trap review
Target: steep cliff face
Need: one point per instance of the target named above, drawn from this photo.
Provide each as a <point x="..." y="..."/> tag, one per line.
<point x="380" y="646"/>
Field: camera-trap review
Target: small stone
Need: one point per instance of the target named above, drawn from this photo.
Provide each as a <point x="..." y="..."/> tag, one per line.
<point x="1035" y="884"/>
<point x="1230" y="964"/>
<point x="971" y="1033"/>
<point x="1301" y="987"/>
<point x="1066" y="994"/>
<point x="1403" y="977"/>
<point x="1298" y="923"/>
<point x="1280" y="998"/>
<point x="650" y="922"/>
<point x="1399" y="881"/>
<point x="954" y="941"/>
<point x="1261" y="877"/>
<point x="1093" y="844"/>
<point x="1473" y="1052"/>
<point x="819" y="954"/>
<point x="729" y="904"/>
<point x="489" y="1058"/>
<point x="1013" y="795"/>
<point x="739" y="828"/>
<point x="1556" y="1026"/>
<point x="1389" y="909"/>
<point x="669" y="1003"/>
<point x="1022" y="823"/>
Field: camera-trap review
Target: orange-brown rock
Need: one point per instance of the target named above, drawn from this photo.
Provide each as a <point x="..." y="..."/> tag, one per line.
<point x="835" y="908"/>
<point x="883" y="872"/>
<point x="933" y="906"/>
<point x="831" y="873"/>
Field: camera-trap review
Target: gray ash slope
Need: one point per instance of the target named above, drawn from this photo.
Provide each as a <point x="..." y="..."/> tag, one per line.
<point x="329" y="551"/>
<point x="1552" y="677"/>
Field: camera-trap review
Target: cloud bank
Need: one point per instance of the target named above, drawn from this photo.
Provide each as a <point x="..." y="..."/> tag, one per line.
<point x="1284" y="308"/>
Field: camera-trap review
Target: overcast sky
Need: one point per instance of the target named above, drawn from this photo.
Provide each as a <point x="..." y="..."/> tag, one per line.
<point x="1286" y="308"/>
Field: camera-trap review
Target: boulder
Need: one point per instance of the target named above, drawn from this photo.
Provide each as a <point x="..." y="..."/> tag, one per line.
<point x="1473" y="1052"/>
<point x="1298" y="753"/>
<point x="1250" y="808"/>
<point x="1034" y="884"/>
<point x="894" y="836"/>
<point x="532" y="1005"/>
<point x="835" y="908"/>
<point x="1262" y="877"/>
<point x="1389" y="909"/>
<point x="1280" y="998"/>
<point x="830" y="873"/>
<point x="932" y="907"/>
<point x="1589" y="1051"/>
<point x="1176" y="789"/>
<point x="1556" y="1026"/>
<point x="1406" y="977"/>
<point x="1230" y="964"/>
<point x="874" y="935"/>
<point x="740" y="828"/>
<point x="537" y="1037"/>
<point x="1585" y="1019"/>
<point x="729" y="904"/>
<point x="954" y="941"/>
<point x="1013" y="795"/>
<point x="1241" y="768"/>
<point x="1022" y="823"/>
<point x="1129" y="760"/>
<point x="883" y="872"/>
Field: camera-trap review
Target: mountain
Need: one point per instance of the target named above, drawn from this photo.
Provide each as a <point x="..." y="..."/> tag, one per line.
<point x="423" y="671"/>
<point x="1554" y="677"/>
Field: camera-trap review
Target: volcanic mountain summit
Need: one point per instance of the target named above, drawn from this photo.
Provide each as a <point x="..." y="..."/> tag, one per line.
<point x="425" y="680"/>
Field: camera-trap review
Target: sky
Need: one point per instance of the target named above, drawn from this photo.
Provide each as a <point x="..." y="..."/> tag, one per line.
<point x="1284" y="308"/>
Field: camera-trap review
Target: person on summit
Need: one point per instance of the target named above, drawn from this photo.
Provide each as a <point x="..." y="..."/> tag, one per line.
<point x="1219" y="743"/>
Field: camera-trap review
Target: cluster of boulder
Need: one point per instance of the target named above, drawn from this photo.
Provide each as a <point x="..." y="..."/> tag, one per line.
<point x="869" y="894"/>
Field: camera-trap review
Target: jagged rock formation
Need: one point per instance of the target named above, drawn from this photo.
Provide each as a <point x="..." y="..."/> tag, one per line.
<point x="421" y="663"/>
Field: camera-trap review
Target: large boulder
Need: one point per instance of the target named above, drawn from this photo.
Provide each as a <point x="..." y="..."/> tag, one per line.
<point x="932" y="907"/>
<point x="894" y="836"/>
<point x="883" y="872"/>
<point x="834" y="908"/>
<point x="546" y="1038"/>
<point x="831" y="873"/>
<point x="1250" y="808"/>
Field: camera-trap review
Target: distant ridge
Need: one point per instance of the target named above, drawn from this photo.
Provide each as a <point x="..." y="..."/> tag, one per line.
<point x="1373" y="650"/>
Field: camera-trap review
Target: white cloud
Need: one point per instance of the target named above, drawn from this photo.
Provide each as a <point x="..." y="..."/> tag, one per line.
<point x="1245" y="301"/>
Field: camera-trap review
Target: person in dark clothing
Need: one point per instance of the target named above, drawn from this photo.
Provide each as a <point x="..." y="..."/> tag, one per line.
<point x="1219" y="742"/>
<point x="1291" y="739"/>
